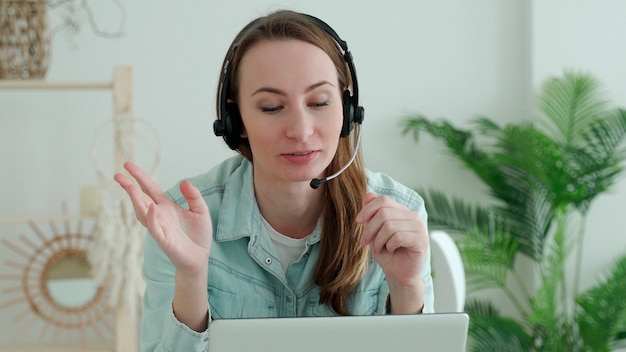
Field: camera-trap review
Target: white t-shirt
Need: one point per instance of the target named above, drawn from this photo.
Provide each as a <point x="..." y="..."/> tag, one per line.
<point x="288" y="249"/>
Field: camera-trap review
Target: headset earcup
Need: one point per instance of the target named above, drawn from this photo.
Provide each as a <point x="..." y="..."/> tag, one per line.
<point x="348" y="113"/>
<point x="229" y="126"/>
<point x="219" y="127"/>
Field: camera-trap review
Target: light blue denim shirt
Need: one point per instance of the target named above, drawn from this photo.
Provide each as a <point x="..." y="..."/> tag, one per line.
<point x="245" y="276"/>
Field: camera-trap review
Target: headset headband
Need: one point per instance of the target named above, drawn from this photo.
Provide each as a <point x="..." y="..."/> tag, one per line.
<point x="228" y="124"/>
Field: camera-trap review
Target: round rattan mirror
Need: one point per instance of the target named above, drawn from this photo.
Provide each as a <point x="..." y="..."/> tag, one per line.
<point x="52" y="278"/>
<point x="69" y="282"/>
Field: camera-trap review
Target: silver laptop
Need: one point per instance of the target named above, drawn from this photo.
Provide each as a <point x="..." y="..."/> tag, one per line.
<point x="444" y="332"/>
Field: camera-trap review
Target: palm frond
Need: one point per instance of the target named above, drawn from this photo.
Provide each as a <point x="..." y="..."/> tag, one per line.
<point x="519" y="158"/>
<point x="533" y="157"/>
<point x="453" y="213"/>
<point x="597" y="163"/>
<point x="602" y="309"/>
<point x="591" y="167"/>
<point x="456" y="140"/>
<point x="530" y="218"/>
<point x="569" y="104"/>
<point x="516" y="148"/>
<point x="486" y="126"/>
<point x="459" y="143"/>
<point x="589" y="176"/>
<point x="604" y="136"/>
<point x="491" y="332"/>
<point x="588" y="134"/>
<point x="487" y="259"/>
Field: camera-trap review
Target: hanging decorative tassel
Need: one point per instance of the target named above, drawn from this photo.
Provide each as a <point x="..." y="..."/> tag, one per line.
<point x="116" y="254"/>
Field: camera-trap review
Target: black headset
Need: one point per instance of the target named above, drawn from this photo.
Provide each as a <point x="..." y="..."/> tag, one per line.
<point x="229" y="123"/>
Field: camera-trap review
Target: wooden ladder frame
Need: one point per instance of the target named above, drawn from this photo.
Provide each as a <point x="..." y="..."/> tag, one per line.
<point x="121" y="87"/>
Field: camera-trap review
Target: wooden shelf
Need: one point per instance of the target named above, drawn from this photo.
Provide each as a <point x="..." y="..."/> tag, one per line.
<point x="41" y="218"/>
<point x="100" y="348"/>
<point x="51" y="85"/>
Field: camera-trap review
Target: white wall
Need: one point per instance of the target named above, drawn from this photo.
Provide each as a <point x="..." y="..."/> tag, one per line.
<point x="454" y="59"/>
<point x="587" y="35"/>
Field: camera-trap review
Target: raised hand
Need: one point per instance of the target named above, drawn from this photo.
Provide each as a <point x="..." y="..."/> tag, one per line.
<point x="398" y="240"/>
<point x="184" y="235"/>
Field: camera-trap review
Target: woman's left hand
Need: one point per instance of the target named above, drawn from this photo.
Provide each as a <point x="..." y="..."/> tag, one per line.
<point x="397" y="238"/>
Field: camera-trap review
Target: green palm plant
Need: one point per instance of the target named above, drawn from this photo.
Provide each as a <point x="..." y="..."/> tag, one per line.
<point x="542" y="177"/>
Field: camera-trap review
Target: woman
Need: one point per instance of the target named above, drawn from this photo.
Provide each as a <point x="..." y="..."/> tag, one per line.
<point x="252" y="238"/>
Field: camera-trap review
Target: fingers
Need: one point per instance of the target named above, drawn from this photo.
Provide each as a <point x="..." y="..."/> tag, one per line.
<point x="153" y="225"/>
<point x="146" y="182"/>
<point x="389" y="225"/>
<point x="194" y="198"/>
<point x="142" y="196"/>
<point x="158" y="228"/>
<point x="140" y="200"/>
<point x="368" y="209"/>
<point x="370" y="196"/>
<point x="393" y="234"/>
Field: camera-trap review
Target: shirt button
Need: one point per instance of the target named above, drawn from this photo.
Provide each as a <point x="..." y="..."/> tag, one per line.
<point x="289" y="299"/>
<point x="268" y="260"/>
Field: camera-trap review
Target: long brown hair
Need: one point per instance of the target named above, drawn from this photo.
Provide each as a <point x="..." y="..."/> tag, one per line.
<point x="343" y="260"/>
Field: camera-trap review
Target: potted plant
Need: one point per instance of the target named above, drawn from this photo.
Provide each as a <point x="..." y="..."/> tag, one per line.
<point x="543" y="177"/>
<point x="25" y="35"/>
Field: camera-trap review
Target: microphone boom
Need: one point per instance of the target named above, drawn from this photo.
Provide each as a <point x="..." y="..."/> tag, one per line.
<point x="317" y="182"/>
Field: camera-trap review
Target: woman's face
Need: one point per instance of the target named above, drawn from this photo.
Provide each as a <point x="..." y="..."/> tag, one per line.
<point x="290" y="104"/>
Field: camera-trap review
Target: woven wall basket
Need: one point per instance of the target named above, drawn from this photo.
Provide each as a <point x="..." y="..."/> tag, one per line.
<point x="24" y="39"/>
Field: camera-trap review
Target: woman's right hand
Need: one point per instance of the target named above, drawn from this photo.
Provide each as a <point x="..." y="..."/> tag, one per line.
<point x="184" y="235"/>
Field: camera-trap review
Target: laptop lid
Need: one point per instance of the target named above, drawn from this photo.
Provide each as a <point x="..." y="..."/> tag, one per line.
<point x="444" y="332"/>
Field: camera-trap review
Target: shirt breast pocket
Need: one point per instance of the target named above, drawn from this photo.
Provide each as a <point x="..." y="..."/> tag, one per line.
<point x="230" y="305"/>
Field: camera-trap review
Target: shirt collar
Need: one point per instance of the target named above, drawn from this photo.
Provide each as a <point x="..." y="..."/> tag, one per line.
<point x="239" y="215"/>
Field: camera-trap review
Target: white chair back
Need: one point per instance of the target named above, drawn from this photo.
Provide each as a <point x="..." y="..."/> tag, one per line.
<point x="448" y="273"/>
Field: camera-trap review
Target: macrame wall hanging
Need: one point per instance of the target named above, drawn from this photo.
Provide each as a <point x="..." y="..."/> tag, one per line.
<point x="116" y="253"/>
